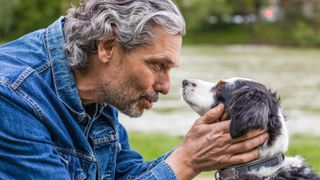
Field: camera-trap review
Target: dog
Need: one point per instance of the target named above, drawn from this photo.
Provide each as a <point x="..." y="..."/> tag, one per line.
<point x="250" y="106"/>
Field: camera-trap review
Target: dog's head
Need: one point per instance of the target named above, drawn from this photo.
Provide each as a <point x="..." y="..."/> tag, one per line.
<point x="249" y="104"/>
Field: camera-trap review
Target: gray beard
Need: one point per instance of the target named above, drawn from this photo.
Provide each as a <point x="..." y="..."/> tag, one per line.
<point x="119" y="99"/>
<point x="129" y="110"/>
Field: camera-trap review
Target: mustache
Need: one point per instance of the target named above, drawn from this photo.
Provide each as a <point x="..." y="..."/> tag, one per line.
<point x="153" y="97"/>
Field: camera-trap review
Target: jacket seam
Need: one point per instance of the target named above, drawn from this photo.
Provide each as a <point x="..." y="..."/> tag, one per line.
<point x="43" y="67"/>
<point x="56" y="88"/>
<point x="77" y="154"/>
<point x="22" y="77"/>
<point x="34" y="105"/>
<point x="25" y="96"/>
<point x="153" y="174"/>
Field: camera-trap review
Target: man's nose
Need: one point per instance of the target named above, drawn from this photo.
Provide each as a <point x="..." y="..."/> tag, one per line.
<point x="163" y="85"/>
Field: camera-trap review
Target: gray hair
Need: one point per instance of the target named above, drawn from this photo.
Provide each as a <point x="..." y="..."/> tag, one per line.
<point x="129" y="21"/>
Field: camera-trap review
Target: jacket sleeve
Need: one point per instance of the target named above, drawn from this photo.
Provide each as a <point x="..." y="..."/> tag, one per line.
<point x="26" y="149"/>
<point x="130" y="164"/>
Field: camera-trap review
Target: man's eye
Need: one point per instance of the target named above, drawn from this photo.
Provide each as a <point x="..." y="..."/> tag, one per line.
<point x="159" y="67"/>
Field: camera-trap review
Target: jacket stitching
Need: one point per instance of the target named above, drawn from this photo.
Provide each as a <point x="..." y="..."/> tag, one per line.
<point x="77" y="154"/>
<point x="22" y="77"/>
<point x="32" y="103"/>
<point x="44" y="67"/>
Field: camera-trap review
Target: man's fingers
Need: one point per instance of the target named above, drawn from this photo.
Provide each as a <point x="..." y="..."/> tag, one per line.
<point x="224" y="117"/>
<point x="244" y="157"/>
<point x="244" y="146"/>
<point x="213" y="115"/>
<point x="250" y="135"/>
<point x="223" y="126"/>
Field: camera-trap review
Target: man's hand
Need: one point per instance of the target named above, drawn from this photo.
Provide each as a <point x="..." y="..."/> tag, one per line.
<point x="209" y="146"/>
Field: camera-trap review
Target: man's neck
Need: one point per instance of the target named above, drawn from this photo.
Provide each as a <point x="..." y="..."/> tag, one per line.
<point x="87" y="80"/>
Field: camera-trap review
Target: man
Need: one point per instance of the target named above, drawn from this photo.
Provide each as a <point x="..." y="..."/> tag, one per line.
<point x="60" y="89"/>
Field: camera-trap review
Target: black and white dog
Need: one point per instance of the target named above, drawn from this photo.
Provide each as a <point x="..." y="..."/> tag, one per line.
<point x="250" y="105"/>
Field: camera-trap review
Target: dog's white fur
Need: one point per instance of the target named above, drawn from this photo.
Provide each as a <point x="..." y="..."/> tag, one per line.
<point x="199" y="95"/>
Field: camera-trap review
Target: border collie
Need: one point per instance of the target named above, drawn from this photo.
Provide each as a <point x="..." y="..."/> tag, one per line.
<point x="250" y="105"/>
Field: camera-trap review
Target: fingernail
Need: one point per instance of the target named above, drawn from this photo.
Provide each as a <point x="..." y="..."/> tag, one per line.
<point x="220" y="105"/>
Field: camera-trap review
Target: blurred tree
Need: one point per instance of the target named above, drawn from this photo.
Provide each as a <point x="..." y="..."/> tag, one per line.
<point x="19" y="17"/>
<point x="311" y="11"/>
<point x="6" y="16"/>
<point x="199" y="14"/>
<point x="241" y="6"/>
<point x="247" y="7"/>
<point x="229" y="19"/>
<point x="303" y="19"/>
<point x="257" y="4"/>
<point x="41" y="12"/>
<point x="249" y="13"/>
<point x="292" y="11"/>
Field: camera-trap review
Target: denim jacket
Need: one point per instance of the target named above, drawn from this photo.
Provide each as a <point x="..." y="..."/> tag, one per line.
<point x="46" y="132"/>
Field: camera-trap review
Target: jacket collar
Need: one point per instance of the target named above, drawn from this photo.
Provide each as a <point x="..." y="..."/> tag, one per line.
<point x="64" y="82"/>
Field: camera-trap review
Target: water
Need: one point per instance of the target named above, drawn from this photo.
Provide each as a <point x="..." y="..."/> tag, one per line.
<point x="293" y="73"/>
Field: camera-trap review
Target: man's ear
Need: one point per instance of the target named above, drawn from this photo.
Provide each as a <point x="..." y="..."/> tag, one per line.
<point x="105" y="49"/>
<point x="248" y="110"/>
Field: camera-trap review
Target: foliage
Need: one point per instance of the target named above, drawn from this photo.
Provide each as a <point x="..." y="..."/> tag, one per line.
<point x="6" y="15"/>
<point x="18" y="17"/>
<point x="305" y="34"/>
<point x="197" y="12"/>
<point x="35" y="10"/>
<point x="298" y="22"/>
<point x="208" y="21"/>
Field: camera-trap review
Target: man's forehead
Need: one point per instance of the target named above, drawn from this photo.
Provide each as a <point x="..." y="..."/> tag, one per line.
<point x="165" y="47"/>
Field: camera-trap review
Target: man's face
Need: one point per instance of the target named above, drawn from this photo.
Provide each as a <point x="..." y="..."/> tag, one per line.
<point x="138" y="76"/>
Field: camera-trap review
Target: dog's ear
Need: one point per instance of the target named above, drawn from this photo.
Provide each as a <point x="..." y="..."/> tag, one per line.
<point x="274" y="122"/>
<point x="248" y="109"/>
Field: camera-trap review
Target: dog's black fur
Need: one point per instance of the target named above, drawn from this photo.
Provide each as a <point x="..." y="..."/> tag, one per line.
<point x="250" y="106"/>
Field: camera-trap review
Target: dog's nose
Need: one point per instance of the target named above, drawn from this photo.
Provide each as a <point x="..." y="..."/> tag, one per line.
<point x="185" y="82"/>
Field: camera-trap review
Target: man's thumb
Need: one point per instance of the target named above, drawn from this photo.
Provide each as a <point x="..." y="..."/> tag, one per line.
<point x="213" y="115"/>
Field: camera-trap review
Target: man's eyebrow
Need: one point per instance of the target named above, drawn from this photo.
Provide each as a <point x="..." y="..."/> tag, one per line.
<point x="165" y="60"/>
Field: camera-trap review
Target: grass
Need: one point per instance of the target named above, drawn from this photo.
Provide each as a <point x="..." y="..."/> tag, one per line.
<point x="308" y="147"/>
<point x="152" y="146"/>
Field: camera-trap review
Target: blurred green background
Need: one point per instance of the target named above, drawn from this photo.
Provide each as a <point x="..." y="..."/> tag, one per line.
<point x="273" y="41"/>
<point x="283" y="22"/>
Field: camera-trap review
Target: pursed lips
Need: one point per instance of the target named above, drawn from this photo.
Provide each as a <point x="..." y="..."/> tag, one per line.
<point x="150" y="99"/>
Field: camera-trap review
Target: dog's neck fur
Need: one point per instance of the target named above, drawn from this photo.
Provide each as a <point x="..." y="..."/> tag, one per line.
<point x="280" y="145"/>
<point x="281" y="142"/>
